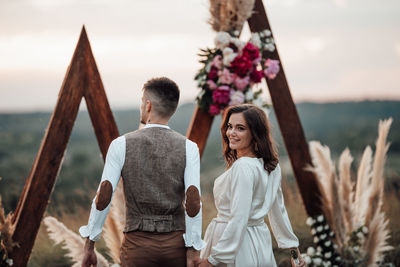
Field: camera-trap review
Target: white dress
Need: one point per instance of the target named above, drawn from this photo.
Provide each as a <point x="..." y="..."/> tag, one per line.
<point x="238" y="236"/>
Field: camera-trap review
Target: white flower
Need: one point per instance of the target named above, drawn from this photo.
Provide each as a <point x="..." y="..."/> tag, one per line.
<point x="364" y="229"/>
<point x="320" y="218"/>
<point x="237" y="97"/>
<point x="227" y="51"/>
<point x="222" y="40"/>
<point x="356" y="248"/>
<point x="316" y="239"/>
<point x="326" y="227"/>
<point x="255" y="40"/>
<point x="10" y="262"/>
<point x="310" y="251"/>
<point x="317" y="261"/>
<point x="267" y="32"/>
<point x="249" y="95"/>
<point x="323" y="236"/>
<point x="307" y="259"/>
<point x="269" y="47"/>
<point x="229" y="58"/>
<point x="338" y="258"/>
<point x="331" y="233"/>
<point x="236" y="33"/>
<point x="309" y="221"/>
<point x="320" y="228"/>
<point x="258" y="102"/>
<point x="313" y="232"/>
<point x="238" y="43"/>
<point x="327" y="243"/>
<point x="327" y="255"/>
<point x="115" y="265"/>
<point x="360" y="235"/>
<point x="335" y="246"/>
<point x="319" y="249"/>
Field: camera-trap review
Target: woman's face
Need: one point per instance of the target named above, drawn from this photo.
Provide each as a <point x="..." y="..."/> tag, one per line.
<point x="239" y="135"/>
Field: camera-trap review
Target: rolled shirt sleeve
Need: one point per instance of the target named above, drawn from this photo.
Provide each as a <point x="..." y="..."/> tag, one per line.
<point x="192" y="236"/>
<point x="112" y="172"/>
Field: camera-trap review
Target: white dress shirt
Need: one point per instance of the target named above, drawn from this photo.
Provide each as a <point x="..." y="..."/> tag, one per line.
<point x="112" y="172"/>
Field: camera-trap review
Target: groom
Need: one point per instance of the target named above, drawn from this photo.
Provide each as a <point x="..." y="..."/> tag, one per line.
<point x="160" y="170"/>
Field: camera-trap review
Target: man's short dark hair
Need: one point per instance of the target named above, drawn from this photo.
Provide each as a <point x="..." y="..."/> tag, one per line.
<point x="164" y="95"/>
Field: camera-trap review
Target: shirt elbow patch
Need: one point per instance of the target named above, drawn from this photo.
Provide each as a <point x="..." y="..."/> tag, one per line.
<point x="104" y="195"/>
<point x="192" y="201"/>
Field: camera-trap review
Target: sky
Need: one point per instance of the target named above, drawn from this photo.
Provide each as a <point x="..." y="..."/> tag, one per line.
<point x="331" y="50"/>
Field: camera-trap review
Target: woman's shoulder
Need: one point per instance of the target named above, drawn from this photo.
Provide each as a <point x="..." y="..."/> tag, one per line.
<point x="246" y="164"/>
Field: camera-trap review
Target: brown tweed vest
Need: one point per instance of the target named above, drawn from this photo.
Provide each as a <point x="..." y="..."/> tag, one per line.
<point x="153" y="176"/>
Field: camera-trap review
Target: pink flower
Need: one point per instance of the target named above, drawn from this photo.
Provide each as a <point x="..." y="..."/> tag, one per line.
<point x="257" y="60"/>
<point x="256" y="75"/>
<point x="272" y="68"/>
<point x="225" y="76"/>
<point x="213" y="74"/>
<point x="214" y="109"/>
<point x="237" y="97"/>
<point x="211" y="84"/>
<point x="241" y="83"/>
<point x="251" y="52"/>
<point x="217" y="62"/>
<point x="241" y="65"/>
<point x="221" y="95"/>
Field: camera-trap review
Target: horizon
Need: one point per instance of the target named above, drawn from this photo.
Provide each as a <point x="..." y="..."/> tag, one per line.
<point x="136" y="108"/>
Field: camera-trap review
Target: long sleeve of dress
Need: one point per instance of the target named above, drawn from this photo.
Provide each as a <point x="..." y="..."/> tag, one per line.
<point x="241" y="187"/>
<point x="280" y="224"/>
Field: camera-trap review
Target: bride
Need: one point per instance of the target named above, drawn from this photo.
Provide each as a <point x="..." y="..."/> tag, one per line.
<point x="249" y="190"/>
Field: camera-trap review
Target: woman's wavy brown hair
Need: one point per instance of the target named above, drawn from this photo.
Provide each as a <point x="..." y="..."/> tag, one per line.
<point x="261" y="135"/>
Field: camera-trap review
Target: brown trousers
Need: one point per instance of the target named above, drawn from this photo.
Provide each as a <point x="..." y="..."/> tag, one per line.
<point x="151" y="249"/>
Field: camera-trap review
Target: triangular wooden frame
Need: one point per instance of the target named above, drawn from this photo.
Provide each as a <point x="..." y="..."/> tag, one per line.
<point x="81" y="80"/>
<point x="288" y="120"/>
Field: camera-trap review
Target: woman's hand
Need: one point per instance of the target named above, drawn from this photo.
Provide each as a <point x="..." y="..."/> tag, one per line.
<point x="296" y="259"/>
<point x="204" y="263"/>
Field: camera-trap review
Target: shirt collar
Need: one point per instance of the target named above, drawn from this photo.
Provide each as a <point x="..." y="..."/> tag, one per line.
<point x="150" y="125"/>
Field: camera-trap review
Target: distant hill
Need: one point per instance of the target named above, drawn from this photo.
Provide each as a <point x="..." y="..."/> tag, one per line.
<point x="338" y="125"/>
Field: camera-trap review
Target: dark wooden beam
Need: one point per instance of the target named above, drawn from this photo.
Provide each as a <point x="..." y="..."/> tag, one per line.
<point x="289" y="121"/>
<point x="199" y="128"/>
<point x="82" y="80"/>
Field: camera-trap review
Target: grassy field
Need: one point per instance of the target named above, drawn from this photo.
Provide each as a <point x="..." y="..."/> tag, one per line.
<point x="338" y="125"/>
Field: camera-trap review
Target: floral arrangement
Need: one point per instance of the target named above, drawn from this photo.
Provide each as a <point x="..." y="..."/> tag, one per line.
<point x="353" y="230"/>
<point x="233" y="69"/>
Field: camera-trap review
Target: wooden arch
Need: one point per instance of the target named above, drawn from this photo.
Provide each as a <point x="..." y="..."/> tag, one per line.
<point x="83" y="80"/>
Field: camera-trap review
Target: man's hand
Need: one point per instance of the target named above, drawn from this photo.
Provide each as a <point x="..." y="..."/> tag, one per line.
<point x="204" y="263"/>
<point x="89" y="259"/>
<point x="192" y="257"/>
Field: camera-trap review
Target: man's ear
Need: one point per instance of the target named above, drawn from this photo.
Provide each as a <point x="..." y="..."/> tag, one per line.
<point x="149" y="105"/>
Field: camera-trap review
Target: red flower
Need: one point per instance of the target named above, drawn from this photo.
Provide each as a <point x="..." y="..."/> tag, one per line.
<point x="213" y="74"/>
<point x="241" y="65"/>
<point x="251" y="51"/>
<point x="221" y="95"/>
<point x="256" y="75"/>
<point x="214" y="109"/>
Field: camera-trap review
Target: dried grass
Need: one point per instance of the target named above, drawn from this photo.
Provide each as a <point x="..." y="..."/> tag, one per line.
<point x="348" y="207"/>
